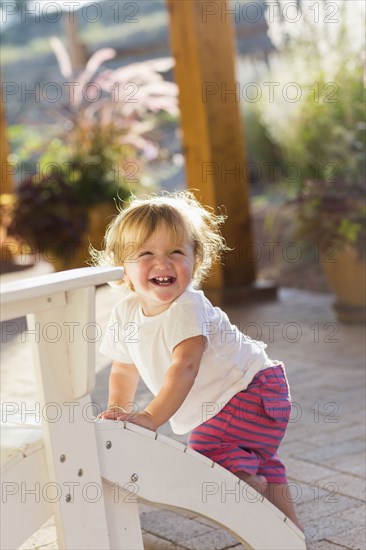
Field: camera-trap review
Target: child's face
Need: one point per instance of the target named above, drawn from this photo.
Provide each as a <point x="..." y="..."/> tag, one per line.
<point x="160" y="271"/>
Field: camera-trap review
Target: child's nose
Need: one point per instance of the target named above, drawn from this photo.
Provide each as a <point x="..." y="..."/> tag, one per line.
<point x="162" y="261"/>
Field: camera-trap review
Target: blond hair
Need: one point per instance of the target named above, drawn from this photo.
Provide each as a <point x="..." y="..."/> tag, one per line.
<point x="181" y="213"/>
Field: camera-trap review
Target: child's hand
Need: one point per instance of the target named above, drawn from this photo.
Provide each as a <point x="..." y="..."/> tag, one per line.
<point x="143" y="418"/>
<point x="109" y="414"/>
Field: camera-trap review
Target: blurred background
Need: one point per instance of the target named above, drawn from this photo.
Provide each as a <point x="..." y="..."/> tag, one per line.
<point x="91" y="115"/>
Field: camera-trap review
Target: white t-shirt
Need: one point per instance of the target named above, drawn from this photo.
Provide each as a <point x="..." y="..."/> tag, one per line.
<point x="229" y="362"/>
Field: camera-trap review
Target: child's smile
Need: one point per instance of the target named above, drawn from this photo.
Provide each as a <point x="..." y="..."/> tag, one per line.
<point x="163" y="281"/>
<point x="160" y="271"/>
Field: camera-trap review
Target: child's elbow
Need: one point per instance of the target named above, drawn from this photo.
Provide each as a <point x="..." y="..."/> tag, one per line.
<point x="189" y="369"/>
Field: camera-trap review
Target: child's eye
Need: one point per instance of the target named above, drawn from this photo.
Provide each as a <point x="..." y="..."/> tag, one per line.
<point x="145" y="253"/>
<point x="178" y="251"/>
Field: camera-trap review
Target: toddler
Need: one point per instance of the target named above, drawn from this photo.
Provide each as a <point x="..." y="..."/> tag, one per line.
<point x="232" y="398"/>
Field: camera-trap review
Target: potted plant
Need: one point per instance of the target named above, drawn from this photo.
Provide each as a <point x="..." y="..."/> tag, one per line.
<point x="332" y="216"/>
<point x="51" y="219"/>
<point x="330" y="196"/>
<point x="321" y="138"/>
<point x="95" y="155"/>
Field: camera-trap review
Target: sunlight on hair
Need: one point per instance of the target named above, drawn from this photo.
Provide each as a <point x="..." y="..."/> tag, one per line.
<point x="185" y="217"/>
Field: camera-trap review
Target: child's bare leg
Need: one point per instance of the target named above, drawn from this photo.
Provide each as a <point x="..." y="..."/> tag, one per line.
<point x="259" y="483"/>
<point x="279" y="494"/>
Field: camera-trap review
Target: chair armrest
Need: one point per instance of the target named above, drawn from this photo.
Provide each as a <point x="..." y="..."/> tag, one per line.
<point x="63" y="281"/>
<point x="29" y="295"/>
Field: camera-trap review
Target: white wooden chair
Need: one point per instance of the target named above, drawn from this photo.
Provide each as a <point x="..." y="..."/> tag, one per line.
<point x="91" y="474"/>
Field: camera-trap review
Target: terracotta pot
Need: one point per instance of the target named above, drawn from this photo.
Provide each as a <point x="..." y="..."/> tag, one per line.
<point x="346" y="275"/>
<point x="100" y="217"/>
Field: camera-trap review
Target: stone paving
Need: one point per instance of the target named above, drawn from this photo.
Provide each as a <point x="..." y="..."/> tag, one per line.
<point x="324" y="448"/>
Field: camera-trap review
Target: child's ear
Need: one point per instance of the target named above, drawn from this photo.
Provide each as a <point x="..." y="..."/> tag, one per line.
<point x="127" y="281"/>
<point x="197" y="262"/>
<point x="126" y="278"/>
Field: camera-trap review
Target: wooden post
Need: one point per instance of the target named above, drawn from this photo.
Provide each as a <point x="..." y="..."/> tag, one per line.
<point x="76" y="48"/>
<point x="6" y="178"/>
<point x="9" y="246"/>
<point x="202" y="40"/>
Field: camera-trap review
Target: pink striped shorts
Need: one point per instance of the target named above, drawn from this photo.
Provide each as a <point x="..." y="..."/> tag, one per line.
<point x="246" y="433"/>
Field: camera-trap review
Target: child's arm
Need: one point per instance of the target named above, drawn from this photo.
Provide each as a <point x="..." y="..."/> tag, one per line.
<point x="123" y="382"/>
<point x="178" y="380"/>
<point x="177" y="383"/>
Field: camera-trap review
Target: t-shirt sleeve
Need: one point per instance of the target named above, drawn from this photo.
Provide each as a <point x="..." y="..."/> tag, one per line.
<point x="114" y="343"/>
<point x="188" y="319"/>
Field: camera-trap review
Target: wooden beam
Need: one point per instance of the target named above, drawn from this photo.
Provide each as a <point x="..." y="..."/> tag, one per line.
<point x="202" y="40"/>
<point x="9" y="246"/>
<point x="7" y="186"/>
<point x="76" y="48"/>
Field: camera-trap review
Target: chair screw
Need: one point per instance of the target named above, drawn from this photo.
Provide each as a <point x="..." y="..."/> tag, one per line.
<point x="68" y="498"/>
<point x="62" y="458"/>
<point x="108" y="444"/>
<point x="134" y="477"/>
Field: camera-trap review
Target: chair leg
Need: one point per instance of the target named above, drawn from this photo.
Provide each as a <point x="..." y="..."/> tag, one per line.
<point x="123" y="518"/>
